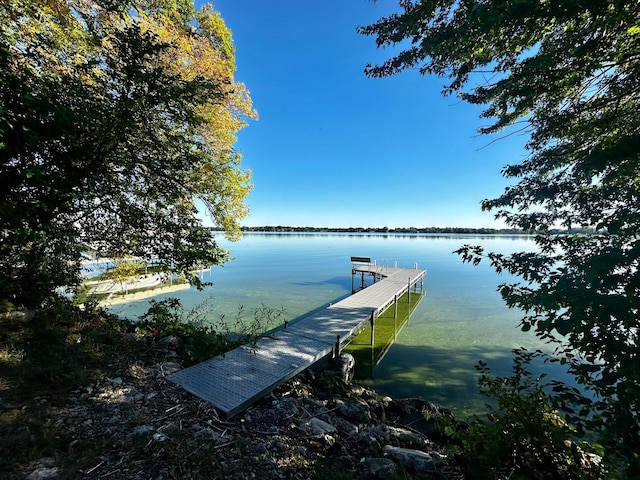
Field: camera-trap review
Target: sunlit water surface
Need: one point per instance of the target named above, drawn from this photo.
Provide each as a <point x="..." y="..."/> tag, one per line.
<point x="461" y="320"/>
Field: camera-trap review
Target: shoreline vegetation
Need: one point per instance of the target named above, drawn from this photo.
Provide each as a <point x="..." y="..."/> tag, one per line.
<point x="404" y="230"/>
<point x="94" y="401"/>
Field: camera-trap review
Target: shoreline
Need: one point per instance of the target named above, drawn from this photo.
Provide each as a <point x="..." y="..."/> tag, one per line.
<point x="135" y="296"/>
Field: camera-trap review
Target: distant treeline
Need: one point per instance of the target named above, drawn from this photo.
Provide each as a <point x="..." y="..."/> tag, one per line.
<point x="405" y="230"/>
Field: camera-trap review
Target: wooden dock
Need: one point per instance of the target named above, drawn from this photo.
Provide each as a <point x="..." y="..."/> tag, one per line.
<point x="237" y="379"/>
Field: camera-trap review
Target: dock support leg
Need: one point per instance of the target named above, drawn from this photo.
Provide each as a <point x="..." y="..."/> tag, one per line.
<point x="409" y="291"/>
<point x="395" y="306"/>
<point x="336" y="348"/>
<point x="373" y="335"/>
<point x="395" y="329"/>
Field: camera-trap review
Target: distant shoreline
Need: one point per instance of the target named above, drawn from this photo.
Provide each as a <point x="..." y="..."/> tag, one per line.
<point x="404" y="230"/>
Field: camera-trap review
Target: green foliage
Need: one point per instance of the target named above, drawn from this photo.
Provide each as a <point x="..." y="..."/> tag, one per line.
<point x="122" y="271"/>
<point x="106" y="139"/>
<point x="202" y="334"/>
<point x="524" y="436"/>
<point x="568" y="75"/>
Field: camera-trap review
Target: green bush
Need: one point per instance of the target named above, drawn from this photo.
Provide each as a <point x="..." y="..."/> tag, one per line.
<point x="524" y="435"/>
<point x="201" y="334"/>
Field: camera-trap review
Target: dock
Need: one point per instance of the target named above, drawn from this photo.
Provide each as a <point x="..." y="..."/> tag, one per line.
<point x="234" y="381"/>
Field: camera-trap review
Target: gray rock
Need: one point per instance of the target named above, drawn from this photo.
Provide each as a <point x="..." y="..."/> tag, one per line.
<point x="414" y="460"/>
<point x="43" y="473"/>
<point x="355" y="410"/>
<point x="169" y="368"/>
<point x="380" y="468"/>
<point x="406" y="437"/>
<point x="315" y="426"/>
<point x="43" y="469"/>
<point x="345" y="426"/>
<point x="142" y="430"/>
<point x="379" y="433"/>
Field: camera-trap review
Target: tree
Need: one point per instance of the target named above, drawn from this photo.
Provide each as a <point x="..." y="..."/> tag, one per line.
<point x="122" y="271"/>
<point x="568" y="74"/>
<point x="114" y="118"/>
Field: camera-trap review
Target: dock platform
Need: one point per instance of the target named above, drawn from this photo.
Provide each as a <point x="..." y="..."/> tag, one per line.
<point x="237" y="379"/>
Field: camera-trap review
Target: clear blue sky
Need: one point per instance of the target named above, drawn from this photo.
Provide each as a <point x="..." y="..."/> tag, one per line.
<point x="335" y="148"/>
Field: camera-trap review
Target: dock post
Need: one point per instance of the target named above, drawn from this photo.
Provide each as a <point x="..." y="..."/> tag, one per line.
<point x="373" y="336"/>
<point x="336" y="352"/>
<point x="395" y="327"/>
<point x="409" y="291"/>
<point x="395" y="306"/>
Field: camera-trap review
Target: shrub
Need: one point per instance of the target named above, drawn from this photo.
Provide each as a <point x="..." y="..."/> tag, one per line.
<point x="202" y="334"/>
<point x="524" y="434"/>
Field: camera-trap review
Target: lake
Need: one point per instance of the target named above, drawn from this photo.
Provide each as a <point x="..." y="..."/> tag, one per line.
<point x="461" y="319"/>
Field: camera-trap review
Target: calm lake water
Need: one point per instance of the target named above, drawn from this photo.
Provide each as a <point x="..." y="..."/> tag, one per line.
<point x="461" y="320"/>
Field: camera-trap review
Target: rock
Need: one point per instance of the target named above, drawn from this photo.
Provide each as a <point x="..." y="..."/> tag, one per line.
<point x="169" y="368"/>
<point x="142" y="430"/>
<point x="414" y="460"/>
<point x="345" y="366"/>
<point x="42" y="473"/>
<point x="380" y="468"/>
<point x="406" y="437"/>
<point x="315" y="426"/>
<point x="345" y="426"/>
<point x="128" y="394"/>
<point x="327" y="440"/>
<point x="160" y="437"/>
<point x="260" y="448"/>
<point x="379" y="433"/>
<point x="168" y="342"/>
<point x="354" y="410"/>
<point x="43" y="469"/>
<point x="116" y="381"/>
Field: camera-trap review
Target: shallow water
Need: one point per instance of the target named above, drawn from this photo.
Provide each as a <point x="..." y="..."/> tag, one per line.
<point x="461" y="320"/>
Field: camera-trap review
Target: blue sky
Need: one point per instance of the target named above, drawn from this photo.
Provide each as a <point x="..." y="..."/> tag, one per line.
<point x="335" y="148"/>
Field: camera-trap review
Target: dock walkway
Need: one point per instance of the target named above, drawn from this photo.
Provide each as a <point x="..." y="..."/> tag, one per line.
<point x="237" y="379"/>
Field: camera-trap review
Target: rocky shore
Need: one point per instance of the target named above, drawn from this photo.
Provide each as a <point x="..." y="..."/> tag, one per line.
<point x="141" y="426"/>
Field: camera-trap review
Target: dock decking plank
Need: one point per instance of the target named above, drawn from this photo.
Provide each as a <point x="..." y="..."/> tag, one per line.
<point x="233" y="381"/>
